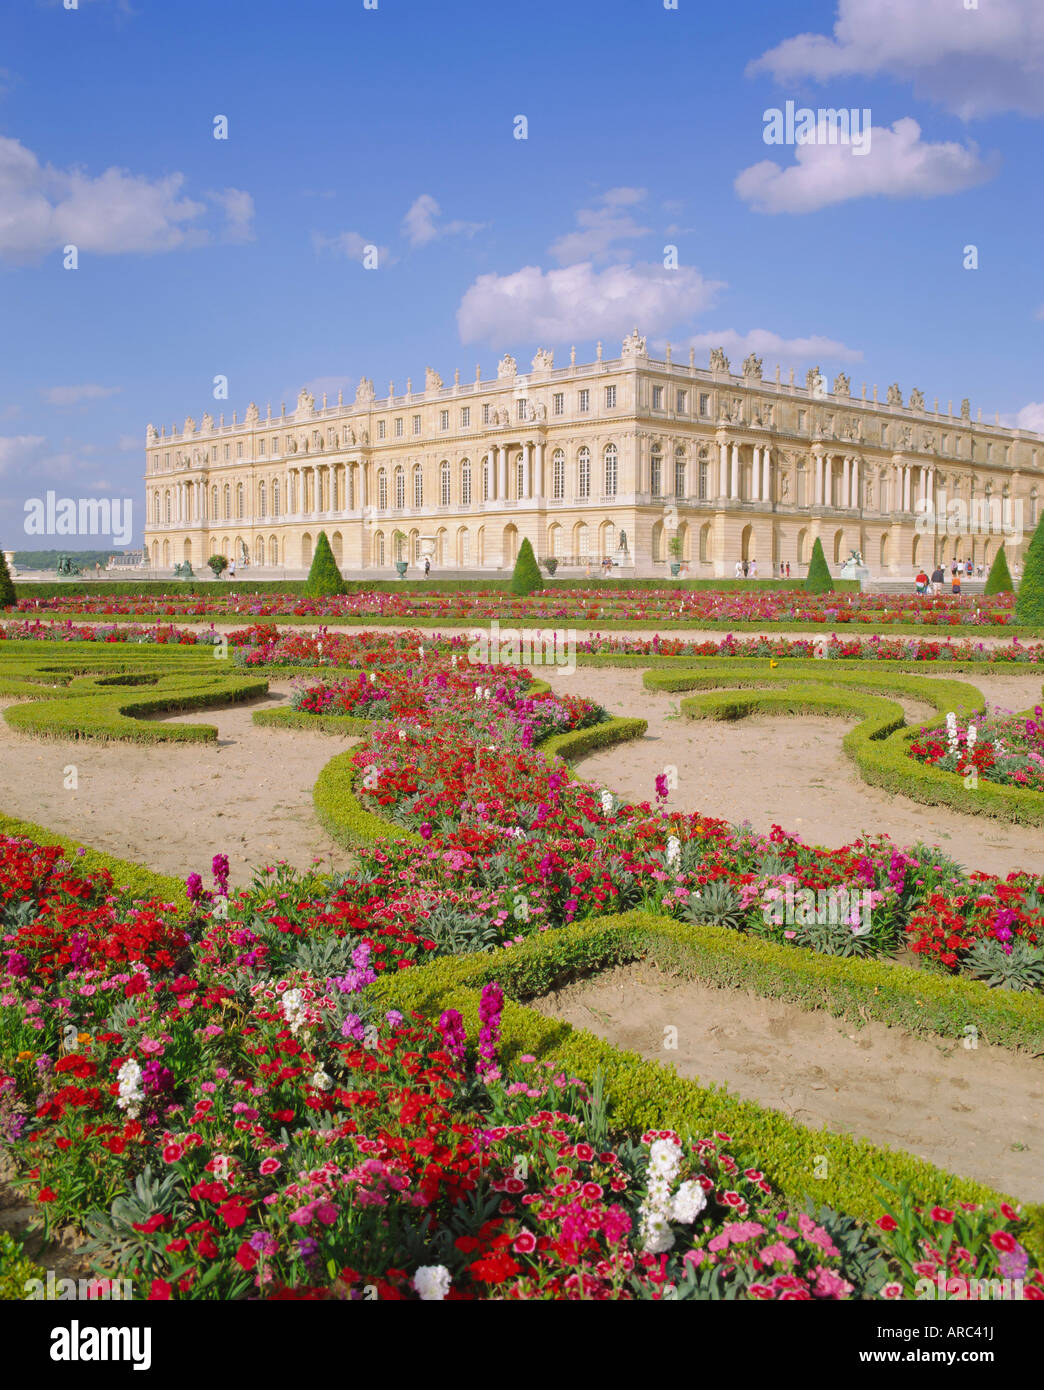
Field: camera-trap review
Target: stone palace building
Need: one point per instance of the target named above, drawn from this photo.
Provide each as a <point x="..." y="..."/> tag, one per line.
<point x="640" y="460"/>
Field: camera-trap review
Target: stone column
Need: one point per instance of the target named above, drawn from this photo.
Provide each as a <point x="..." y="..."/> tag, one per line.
<point x="527" y="471"/>
<point x="755" y="475"/>
<point x="538" y="475"/>
<point x="907" y="479"/>
<point x="819" y="480"/>
<point x="502" y="477"/>
<point x="723" y="470"/>
<point x="734" y="482"/>
<point x="766" y="474"/>
<point x="856" y="500"/>
<point x="846" y="482"/>
<point x="363" y="491"/>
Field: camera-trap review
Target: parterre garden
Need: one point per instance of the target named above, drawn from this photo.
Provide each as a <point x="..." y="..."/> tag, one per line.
<point x="334" y="1087"/>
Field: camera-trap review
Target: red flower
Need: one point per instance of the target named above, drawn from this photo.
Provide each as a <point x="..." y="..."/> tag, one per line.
<point x="942" y="1214"/>
<point x="159" y="1289"/>
<point x="45" y="1195"/>
<point x="887" y="1223"/>
<point x="232" y="1213"/>
<point x="1001" y="1240"/>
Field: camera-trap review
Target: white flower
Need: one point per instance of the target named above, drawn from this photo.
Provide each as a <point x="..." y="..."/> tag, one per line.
<point x="673" y="851"/>
<point x="131" y="1093"/>
<point x="293" y="1009"/>
<point x="320" y="1080"/>
<point x="971" y="736"/>
<point x="657" y="1235"/>
<point x="432" y="1282"/>
<point x="689" y="1201"/>
<point x="664" y="1158"/>
<point x="607" y="803"/>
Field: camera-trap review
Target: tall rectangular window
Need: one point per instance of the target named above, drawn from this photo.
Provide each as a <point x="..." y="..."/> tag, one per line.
<point x="657" y="398"/>
<point x="610" y="398"/>
<point x="381" y="429"/>
<point x="704" y="403"/>
<point x="682" y="398"/>
<point x="416" y="424"/>
<point x="465" y="417"/>
<point x="584" y="401"/>
<point x="558" y="403"/>
<point x="520" y="409"/>
<point x="485" y="414"/>
<point x="398" y="427"/>
<point x="443" y="419"/>
<point x="261" y="447"/>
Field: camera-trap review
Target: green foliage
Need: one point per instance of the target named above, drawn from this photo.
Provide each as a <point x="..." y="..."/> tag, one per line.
<point x="716" y="904"/>
<point x="218" y="564"/>
<point x="818" y="580"/>
<point x="998" y="581"/>
<point x="1029" y="602"/>
<point x="526" y="575"/>
<point x="8" y="598"/>
<point x="323" y="577"/>
<point x="16" y="1269"/>
<point x="1021" y="968"/>
<point x="551" y="564"/>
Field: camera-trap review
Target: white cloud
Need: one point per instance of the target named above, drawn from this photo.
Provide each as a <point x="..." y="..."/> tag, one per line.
<point x="1031" y="417"/>
<point x="73" y="395"/>
<point x="351" y="245"/>
<point x="788" y="352"/>
<point x="600" y="227"/>
<point x="579" y="301"/>
<point x="898" y="165"/>
<point x="973" y="61"/>
<point x="238" y="207"/>
<point x="20" y="451"/>
<point x="420" y="225"/>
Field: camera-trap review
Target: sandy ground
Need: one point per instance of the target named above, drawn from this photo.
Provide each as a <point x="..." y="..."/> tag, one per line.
<point x="976" y="1112"/>
<point x="789" y="771"/>
<point x="174" y="806"/>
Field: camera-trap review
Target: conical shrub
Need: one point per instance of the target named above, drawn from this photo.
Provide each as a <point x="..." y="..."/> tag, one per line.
<point x="818" y="580"/>
<point x="1029" y="602"/>
<point x="324" y="577"/>
<point x="526" y="575"/>
<point x="998" y="581"/>
<point x="7" y="588"/>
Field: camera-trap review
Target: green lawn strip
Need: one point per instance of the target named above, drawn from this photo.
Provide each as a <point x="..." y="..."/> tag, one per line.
<point x="138" y="880"/>
<point x="644" y="1095"/>
<point x="582" y="622"/>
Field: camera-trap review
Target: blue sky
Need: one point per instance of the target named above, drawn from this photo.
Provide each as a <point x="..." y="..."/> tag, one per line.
<point x="396" y="127"/>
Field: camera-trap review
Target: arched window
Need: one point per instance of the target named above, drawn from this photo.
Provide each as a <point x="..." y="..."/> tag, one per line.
<point x="610" y="458"/>
<point x="705" y="543"/>
<point x="259" y="549"/>
<point x="582" y="543"/>
<point x="583" y="473"/>
<point x="465" y="483"/>
<point x="703" y="479"/>
<point x="400" y="488"/>
<point x="166" y="506"/>
<point x="679" y="472"/>
<point x="656" y="471"/>
<point x="444" y="483"/>
<point x="378" y="547"/>
<point x="273" y="550"/>
<point x="382" y="496"/>
<point x="558" y="475"/>
<point x="520" y="476"/>
<point x="418" y="486"/>
<point x="214" y="503"/>
<point x="261" y="507"/>
<point x="155" y="509"/>
<point x="275" y="496"/>
<point x="487" y="476"/>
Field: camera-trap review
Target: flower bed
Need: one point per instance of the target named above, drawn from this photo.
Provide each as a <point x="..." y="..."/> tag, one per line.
<point x="1003" y="748"/>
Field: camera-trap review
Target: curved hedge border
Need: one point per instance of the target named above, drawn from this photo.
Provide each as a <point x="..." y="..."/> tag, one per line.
<point x="644" y="1094"/>
<point x="878" y="744"/>
<point x="348" y="724"/>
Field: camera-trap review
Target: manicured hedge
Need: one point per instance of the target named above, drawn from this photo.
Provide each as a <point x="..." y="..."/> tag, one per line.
<point x="644" y="1095"/>
<point x="343" y="815"/>
<point x="348" y="724"/>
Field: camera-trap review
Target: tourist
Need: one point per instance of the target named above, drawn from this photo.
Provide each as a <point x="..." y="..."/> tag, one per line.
<point x="937" y="579"/>
<point x="739" y="569"/>
<point x="232" y="568"/>
<point x="921" y="582"/>
<point x="427" y="567"/>
<point x="969" y="569"/>
<point x="753" y="569"/>
<point x="956" y="581"/>
<point x="788" y="569"/>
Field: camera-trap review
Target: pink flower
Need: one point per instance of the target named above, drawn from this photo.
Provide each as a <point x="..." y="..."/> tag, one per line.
<point x="270" y="1165"/>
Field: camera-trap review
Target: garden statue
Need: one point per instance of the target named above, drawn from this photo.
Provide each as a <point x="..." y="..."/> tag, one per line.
<point x="853" y="568"/>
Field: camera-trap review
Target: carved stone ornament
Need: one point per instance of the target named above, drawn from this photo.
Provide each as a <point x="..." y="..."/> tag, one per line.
<point x="305" y="401"/>
<point x="507" y="367"/>
<point x="916" y="399"/>
<point x="718" y="361"/>
<point x="966" y="409"/>
<point x="928" y="441"/>
<point x="752" y="367"/>
<point x="208" y="421"/>
<point x="364" y="392"/>
<point x="252" y="414"/>
<point x="895" y="396"/>
<point x="842" y="385"/>
<point x="815" y="382"/>
<point x="152" y="435"/>
<point x="543" y="360"/>
<point x="633" y="345"/>
<point x="432" y="380"/>
<point x="190" y="425"/>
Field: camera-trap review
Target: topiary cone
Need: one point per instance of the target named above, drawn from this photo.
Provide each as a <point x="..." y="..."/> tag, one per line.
<point x="1029" y="603"/>
<point x="818" y="580"/>
<point x="8" y="598"/>
<point x="324" y="577"/>
<point x="998" y="581"/>
<point x="526" y="575"/>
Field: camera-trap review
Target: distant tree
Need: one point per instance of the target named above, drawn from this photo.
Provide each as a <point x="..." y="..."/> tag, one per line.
<point x="218" y="564"/>
<point x="818" y="580"/>
<point x="1029" y="602"/>
<point x="8" y="598"/>
<point x="324" y="577"/>
<point x="998" y="581"/>
<point x="526" y="575"/>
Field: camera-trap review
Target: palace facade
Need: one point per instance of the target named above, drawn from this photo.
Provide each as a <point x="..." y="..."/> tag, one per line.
<point x="641" y="460"/>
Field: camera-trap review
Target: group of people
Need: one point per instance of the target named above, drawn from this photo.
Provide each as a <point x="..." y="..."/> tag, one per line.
<point x="748" y="569"/>
<point x="958" y="569"/>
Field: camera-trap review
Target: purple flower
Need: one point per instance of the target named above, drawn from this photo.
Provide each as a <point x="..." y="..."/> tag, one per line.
<point x="194" y="888"/>
<point x="454" y="1037"/>
<point x="17" y="964"/>
<point x="219" y="867"/>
